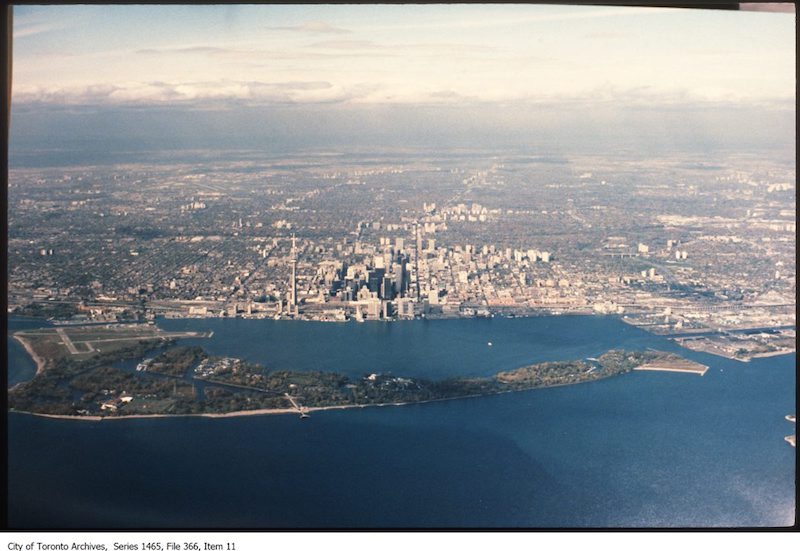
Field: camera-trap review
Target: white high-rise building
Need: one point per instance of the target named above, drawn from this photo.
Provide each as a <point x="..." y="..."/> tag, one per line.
<point x="293" y="303"/>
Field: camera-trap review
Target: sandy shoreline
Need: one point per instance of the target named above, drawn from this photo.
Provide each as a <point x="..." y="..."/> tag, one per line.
<point x="700" y="372"/>
<point x="40" y="363"/>
<point x="243" y="413"/>
<point x="157" y="415"/>
<point x="285" y="411"/>
<point x="282" y="411"/>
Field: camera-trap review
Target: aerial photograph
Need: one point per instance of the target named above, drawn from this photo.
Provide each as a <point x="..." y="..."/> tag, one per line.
<point x="400" y="267"/>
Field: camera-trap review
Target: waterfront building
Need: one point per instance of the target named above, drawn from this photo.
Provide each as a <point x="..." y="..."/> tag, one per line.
<point x="405" y="308"/>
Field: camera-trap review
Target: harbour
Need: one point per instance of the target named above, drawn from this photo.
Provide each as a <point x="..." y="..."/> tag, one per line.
<point x="561" y="456"/>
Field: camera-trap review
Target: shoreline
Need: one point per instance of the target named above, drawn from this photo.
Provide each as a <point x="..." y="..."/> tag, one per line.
<point x="285" y="411"/>
<point x="672" y="369"/>
<point x="772" y="354"/>
<point x="41" y="365"/>
<point x="745" y="359"/>
<point x="731" y="356"/>
<point x="40" y="362"/>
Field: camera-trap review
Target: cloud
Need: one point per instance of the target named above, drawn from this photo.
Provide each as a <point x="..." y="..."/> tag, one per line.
<point x="32" y="30"/>
<point x="450" y="96"/>
<point x="329" y="49"/>
<point x="348" y="45"/>
<point x="58" y="95"/>
<point x="316" y="27"/>
<point x="32" y="23"/>
<point x="653" y="97"/>
<point x="339" y="50"/>
<point x="324" y="49"/>
<point x="301" y="85"/>
<point x="372" y="87"/>
<point x="411" y="51"/>
<point x="572" y="15"/>
<point x="454" y="48"/>
<point x="230" y="93"/>
<point x="188" y="50"/>
<point x="218" y="92"/>
<point x="429" y="48"/>
<point x="607" y="36"/>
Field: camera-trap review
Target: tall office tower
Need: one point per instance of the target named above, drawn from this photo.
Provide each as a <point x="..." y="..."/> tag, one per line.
<point x="404" y="277"/>
<point x="293" y="307"/>
<point x="387" y="289"/>
<point x="417" y="250"/>
<point x="375" y="279"/>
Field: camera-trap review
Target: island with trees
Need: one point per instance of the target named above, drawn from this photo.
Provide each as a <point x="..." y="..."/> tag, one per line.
<point x="186" y="380"/>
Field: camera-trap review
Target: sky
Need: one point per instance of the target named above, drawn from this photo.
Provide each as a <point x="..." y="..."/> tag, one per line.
<point x="466" y="67"/>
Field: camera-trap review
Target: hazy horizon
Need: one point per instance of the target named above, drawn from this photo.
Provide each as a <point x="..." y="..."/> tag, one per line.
<point x="287" y="78"/>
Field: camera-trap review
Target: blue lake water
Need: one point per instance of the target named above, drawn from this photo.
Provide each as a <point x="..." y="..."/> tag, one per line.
<point x="642" y="449"/>
<point x="20" y="365"/>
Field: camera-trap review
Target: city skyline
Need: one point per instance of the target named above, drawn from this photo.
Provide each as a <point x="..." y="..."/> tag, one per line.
<point x="514" y="266"/>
